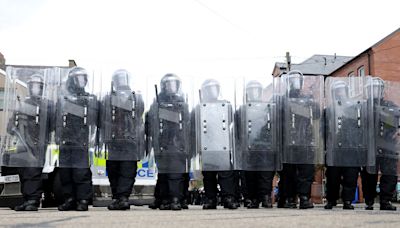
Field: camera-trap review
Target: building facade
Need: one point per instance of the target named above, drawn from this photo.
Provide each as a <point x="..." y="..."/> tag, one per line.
<point x="381" y="59"/>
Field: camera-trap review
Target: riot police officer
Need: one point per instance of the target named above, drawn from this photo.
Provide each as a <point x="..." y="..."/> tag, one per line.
<point x="76" y="128"/>
<point x="386" y="115"/>
<point x="347" y="122"/>
<point x="167" y="126"/>
<point x="30" y="125"/>
<point x="122" y="132"/>
<point x="302" y="136"/>
<point x="216" y="167"/>
<point x="257" y="134"/>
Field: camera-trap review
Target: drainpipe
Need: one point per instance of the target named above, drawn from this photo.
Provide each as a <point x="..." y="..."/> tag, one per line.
<point x="369" y="62"/>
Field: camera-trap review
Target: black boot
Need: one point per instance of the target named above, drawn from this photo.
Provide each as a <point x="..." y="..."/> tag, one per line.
<point x="165" y="205"/>
<point x="369" y="204"/>
<point x="82" y="205"/>
<point x="184" y="204"/>
<point x="237" y="202"/>
<point x="230" y="203"/>
<point x="29" y="205"/>
<point x="246" y="202"/>
<point x="175" y="204"/>
<point x="155" y="204"/>
<point x="266" y="201"/>
<point x="290" y="203"/>
<point x="210" y="204"/>
<point x="281" y="202"/>
<point x="330" y="204"/>
<point x="120" y="204"/>
<point x="68" y="205"/>
<point x="124" y="203"/>
<point x="113" y="205"/>
<point x="255" y="204"/>
<point x="347" y="205"/>
<point x="387" y="206"/>
<point x="305" y="203"/>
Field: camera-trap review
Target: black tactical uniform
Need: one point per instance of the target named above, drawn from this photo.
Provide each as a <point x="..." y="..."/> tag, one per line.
<point x="76" y="123"/>
<point x="122" y="132"/>
<point x="30" y="124"/>
<point x="211" y="179"/>
<point x="297" y="176"/>
<point x="167" y="126"/>
<point x="386" y="159"/>
<point x="346" y="144"/>
<point x="256" y="130"/>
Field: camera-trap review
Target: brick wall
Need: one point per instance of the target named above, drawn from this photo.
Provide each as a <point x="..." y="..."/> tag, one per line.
<point x="353" y="66"/>
<point x="386" y="58"/>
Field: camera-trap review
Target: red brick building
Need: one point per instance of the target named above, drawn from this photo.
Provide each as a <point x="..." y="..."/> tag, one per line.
<point x="381" y="59"/>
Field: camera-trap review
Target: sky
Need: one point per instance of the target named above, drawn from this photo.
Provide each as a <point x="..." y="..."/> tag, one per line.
<point x="191" y="38"/>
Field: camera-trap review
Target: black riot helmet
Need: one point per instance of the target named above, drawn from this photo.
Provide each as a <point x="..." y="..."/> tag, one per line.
<point x="340" y="90"/>
<point x="35" y="85"/>
<point x="254" y="91"/>
<point x="78" y="79"/>
<point x="171" y="84"/>
<point x="210" y="90"/>
<point x="295" y="80"/>
<point x="121" y="80"/>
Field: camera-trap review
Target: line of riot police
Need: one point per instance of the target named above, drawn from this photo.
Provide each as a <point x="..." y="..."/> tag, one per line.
<point x="234" y="137"/>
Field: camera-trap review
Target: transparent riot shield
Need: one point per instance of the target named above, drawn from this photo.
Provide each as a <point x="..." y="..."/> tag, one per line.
<point x="121" y="117"/>
<point x="215" y="125"/>
<point x="168" y="124"/>
<point x="349" y="121"/>
<point x="387" y="127"/>
<point x="26" y="117"/>
<point x="303" y="125"/>
<point x="258" y="124"/>
<point x="76" y="117"/>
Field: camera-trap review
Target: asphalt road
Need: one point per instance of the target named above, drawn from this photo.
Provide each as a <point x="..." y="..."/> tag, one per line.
<point x="196" y="217"/>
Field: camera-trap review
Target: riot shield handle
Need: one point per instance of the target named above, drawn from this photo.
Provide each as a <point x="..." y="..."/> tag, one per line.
<point x="156" y="89"/>
<point x="37" y="115"/>
<point x="85" y="115"/>
<point x="200" y="96"/>
<point x="293" y="120"/>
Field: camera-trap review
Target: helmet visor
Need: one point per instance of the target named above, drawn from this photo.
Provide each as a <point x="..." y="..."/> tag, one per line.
<point x="36" y="89"/>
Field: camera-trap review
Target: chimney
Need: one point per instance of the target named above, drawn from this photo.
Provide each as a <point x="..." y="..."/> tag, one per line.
<point x="288" y="61"/>
<point x="71" y="63"/>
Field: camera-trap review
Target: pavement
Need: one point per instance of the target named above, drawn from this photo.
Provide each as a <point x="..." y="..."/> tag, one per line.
<point x="196" y="217"/>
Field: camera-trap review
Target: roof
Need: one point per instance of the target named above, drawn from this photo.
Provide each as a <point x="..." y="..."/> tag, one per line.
<point x="368" y="49"/>
<point x="317" y="64"/>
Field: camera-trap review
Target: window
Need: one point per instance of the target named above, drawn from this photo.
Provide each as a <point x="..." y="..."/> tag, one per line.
<point x="351" y="74"/>
<point x="361" y="71"/>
